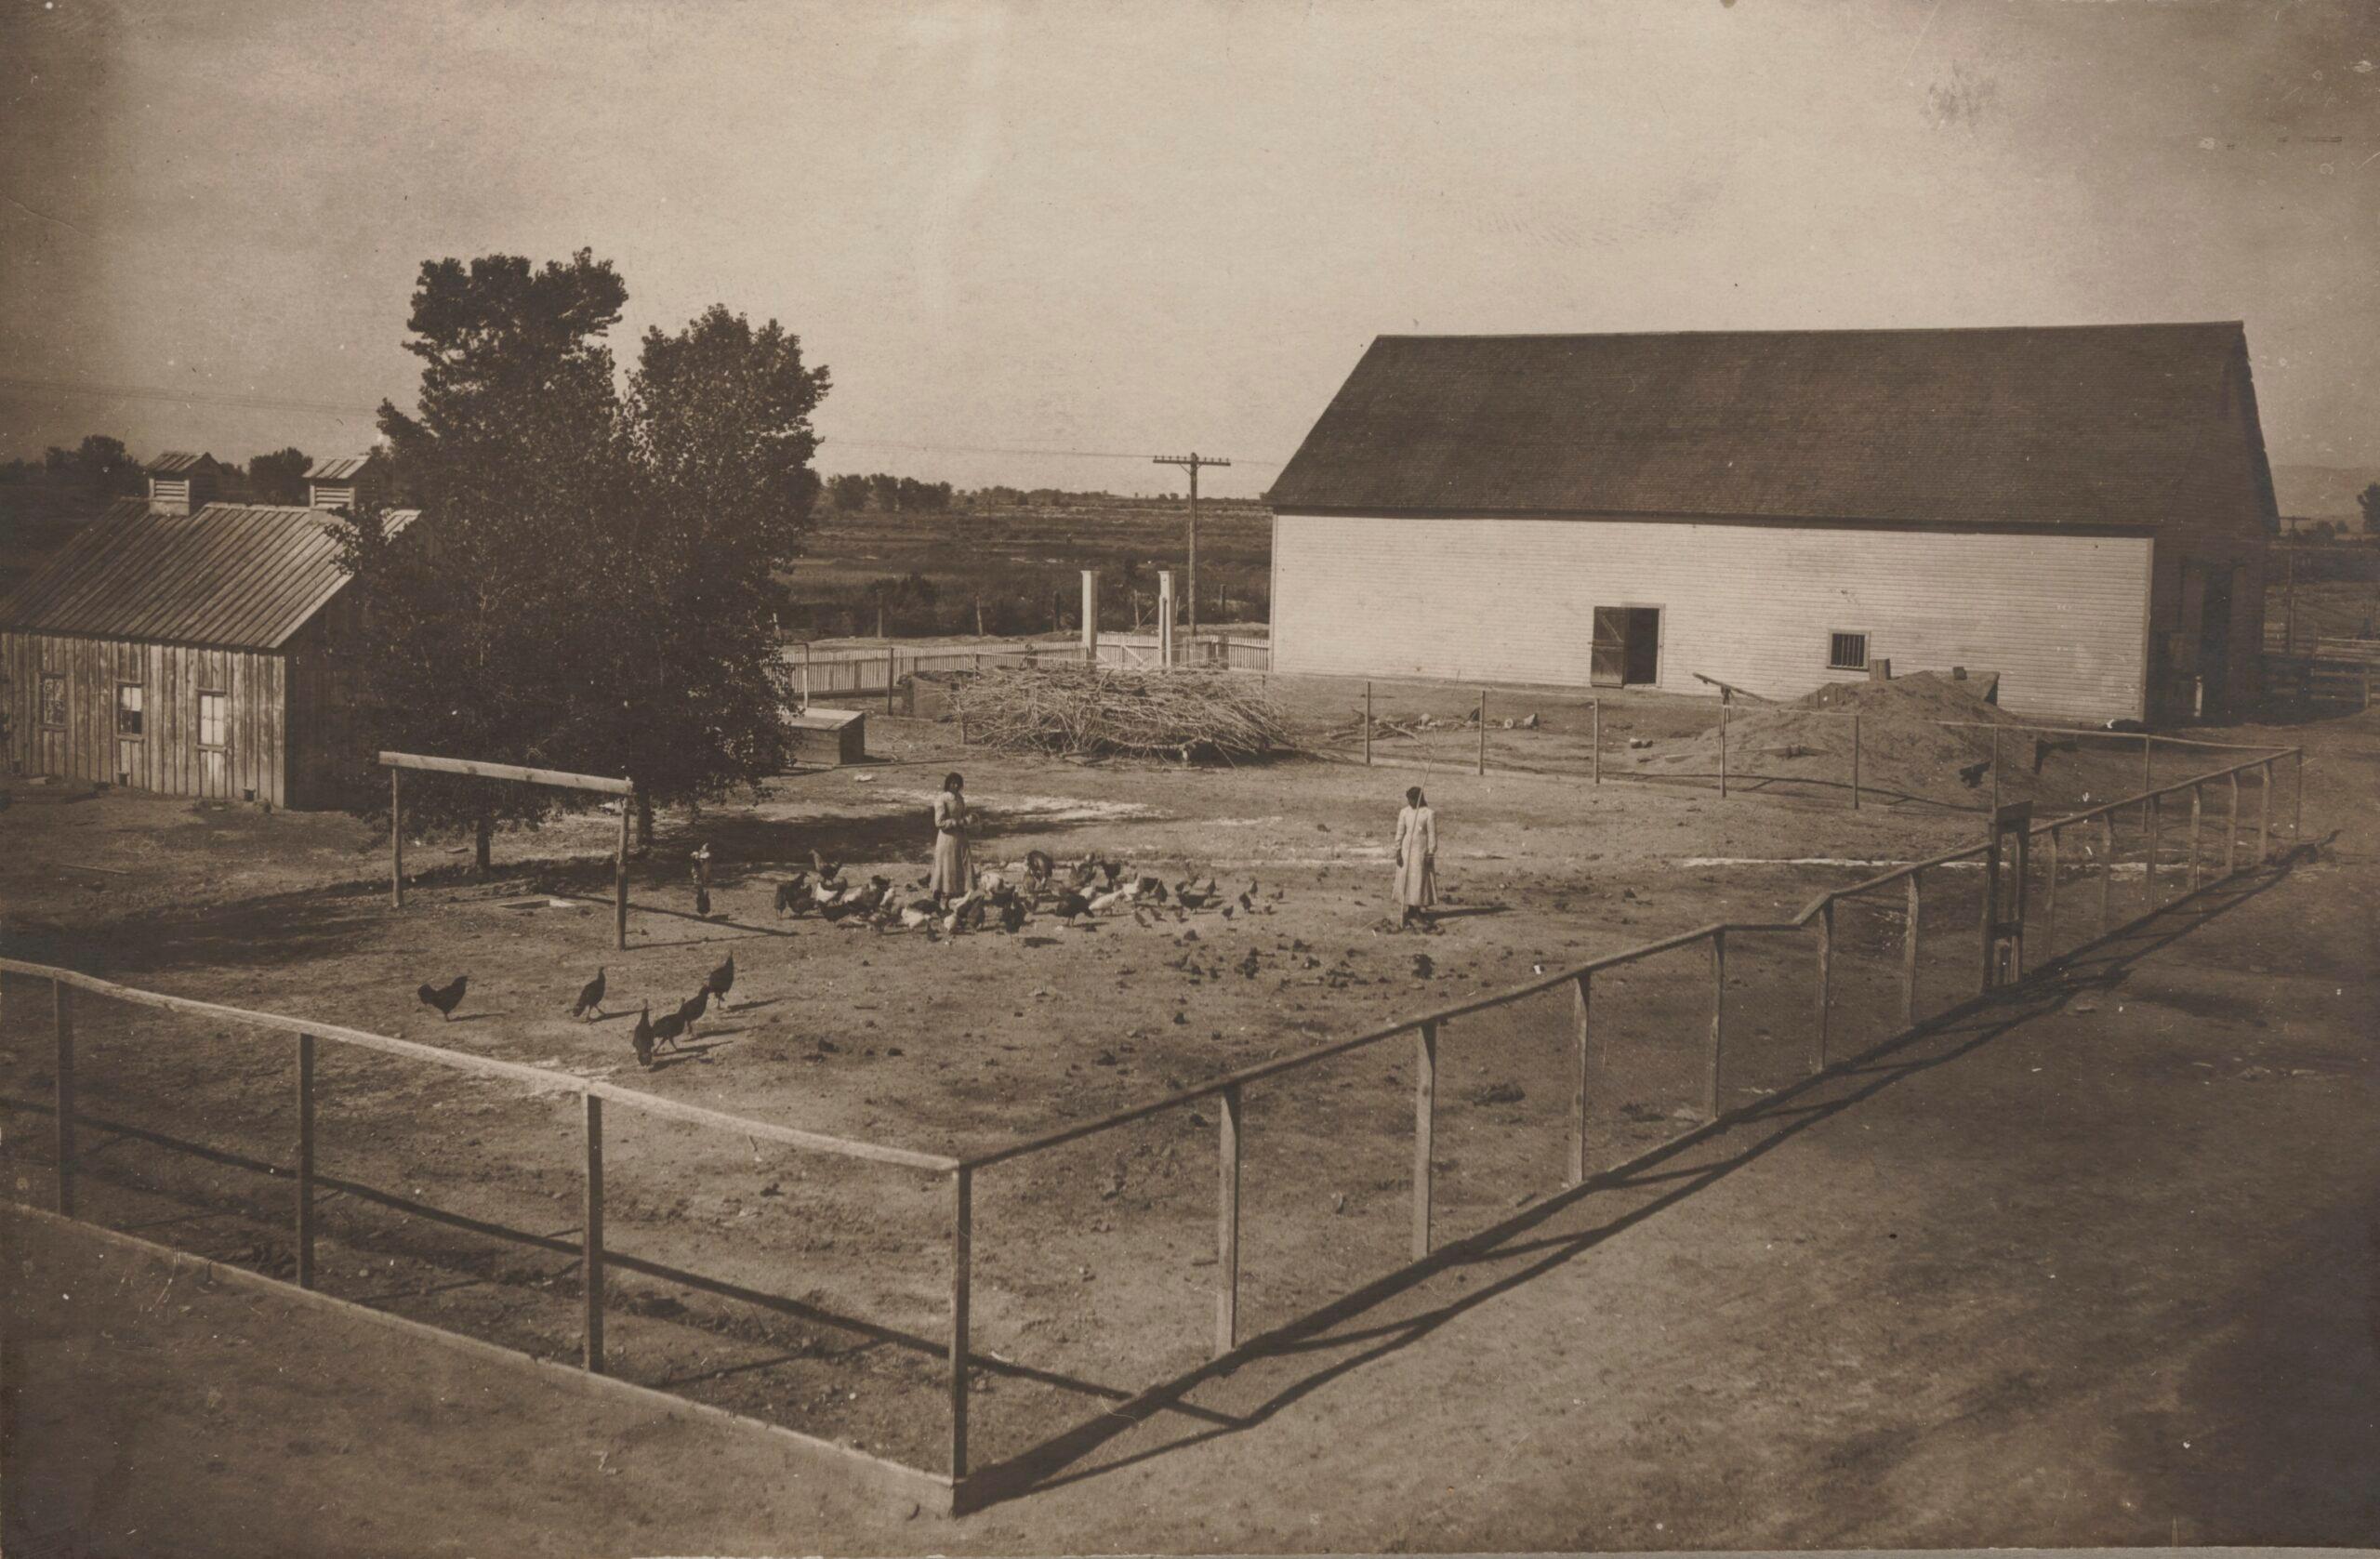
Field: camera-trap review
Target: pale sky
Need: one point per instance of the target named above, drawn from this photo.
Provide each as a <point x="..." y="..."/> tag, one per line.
<point x="1143" y="229"/>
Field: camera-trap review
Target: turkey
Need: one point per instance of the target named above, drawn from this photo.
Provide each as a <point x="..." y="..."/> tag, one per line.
<point x="590" y="1004"/>
<point x="643" y="1038"/>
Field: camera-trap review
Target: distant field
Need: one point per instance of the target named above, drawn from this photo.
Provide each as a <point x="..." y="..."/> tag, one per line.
<point x="1023" y="565"/>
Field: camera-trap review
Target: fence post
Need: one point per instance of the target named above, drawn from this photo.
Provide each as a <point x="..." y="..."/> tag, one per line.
<point x="1723" y="749"/>
<point x="1578" y="1083"/>
<point x="620" y="881"/>
<point x="1595" y="752"/>
<point x="1855" y="762"/>
<point x="1482" y="730"/>
<point x="2263" y="815"/>
<point x="305" y="1161"/>
<point x="2107" y="864"/>
<point x="1425" y="1124"/>
<point x="62" y="1001"/>
<point x="2155" y="807"/>
<point x="2231" y="828"/>
<point x="2147" y="762"/>
<point x="892" y="675"/>
<point x="2297" y="801"/>
<point x="1227" y="1226"/>
<point x="1718" y="1021"/>
<point x="2197" y="797"/>
<point x="591" y="1242"/>
<point x="2049" y="901"/>
<point x="1908" y="957"/>
<point x="962" y="1239"/>
<point x="396" y="841"/>
<point x="1367" y="723"/>
<point x="1826" y="977"/>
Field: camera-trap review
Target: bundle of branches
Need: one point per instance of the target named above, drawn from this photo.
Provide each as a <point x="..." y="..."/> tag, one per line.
<point x="1083" y="710"/>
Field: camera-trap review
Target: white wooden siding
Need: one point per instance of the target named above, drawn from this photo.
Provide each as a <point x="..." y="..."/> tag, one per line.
<point x="2062" y="618"/>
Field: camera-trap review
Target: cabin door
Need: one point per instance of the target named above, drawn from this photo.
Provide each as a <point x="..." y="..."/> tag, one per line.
<point x="214" y="780"/>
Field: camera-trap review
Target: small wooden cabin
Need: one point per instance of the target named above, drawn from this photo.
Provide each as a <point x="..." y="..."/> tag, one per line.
<point x="188" y="653"/>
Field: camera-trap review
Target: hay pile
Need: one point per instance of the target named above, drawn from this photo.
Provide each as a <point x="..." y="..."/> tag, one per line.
<point x="1098" y="712"/>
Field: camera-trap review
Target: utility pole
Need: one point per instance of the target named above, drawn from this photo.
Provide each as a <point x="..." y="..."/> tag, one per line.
<point x="1191" y="463"/>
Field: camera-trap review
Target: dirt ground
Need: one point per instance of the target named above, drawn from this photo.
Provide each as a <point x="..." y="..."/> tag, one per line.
<point x="2176" y="1133"/>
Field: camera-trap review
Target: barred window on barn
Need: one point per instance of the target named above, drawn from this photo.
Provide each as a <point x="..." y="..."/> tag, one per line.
<point x="127" y="708"/>
<point x="1846" y="651"/>
<point x="53" y="702"/>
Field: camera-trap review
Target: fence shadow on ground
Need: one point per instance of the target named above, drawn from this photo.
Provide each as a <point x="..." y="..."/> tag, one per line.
<point x="1740" y="1138"/>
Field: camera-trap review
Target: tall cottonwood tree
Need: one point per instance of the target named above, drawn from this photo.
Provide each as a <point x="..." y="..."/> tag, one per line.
<point x="594" y="582"/>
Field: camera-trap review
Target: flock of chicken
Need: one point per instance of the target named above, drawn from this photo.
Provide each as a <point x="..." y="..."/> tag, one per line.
<point x="650" y="1031"/>
<point x="1092" y="887"/>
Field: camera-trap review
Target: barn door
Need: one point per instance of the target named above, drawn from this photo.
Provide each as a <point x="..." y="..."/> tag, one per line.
<point x="214" y="781"/>
<point x="1609" y="652"/>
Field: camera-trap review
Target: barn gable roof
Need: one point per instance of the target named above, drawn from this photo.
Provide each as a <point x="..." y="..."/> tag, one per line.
<point x="232" y="576"/>
<point x="2092" y="426"/>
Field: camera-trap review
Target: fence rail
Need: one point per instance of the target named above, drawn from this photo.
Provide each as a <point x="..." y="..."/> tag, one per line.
<point x="1429" y="1030"/>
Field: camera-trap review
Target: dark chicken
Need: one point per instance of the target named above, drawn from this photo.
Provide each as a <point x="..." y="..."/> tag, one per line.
<point x="590" y="1004"/>
<point x="444" y="997"/>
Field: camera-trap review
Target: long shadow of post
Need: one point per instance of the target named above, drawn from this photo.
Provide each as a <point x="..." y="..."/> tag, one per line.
<point x="1761" y="1127"/>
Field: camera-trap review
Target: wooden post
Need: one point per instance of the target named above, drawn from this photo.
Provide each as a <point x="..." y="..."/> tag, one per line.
<point x="1718" y="1021"/>
<point x="2155" y="807"/>
<point x="805" y="676"/>
<point x="2197" y="805"/>
<point x="62" y="999"/>
<point x="1579" y="1082"/>
<point x="620" y="880"/>
<point x="2263" y="814"/>
<point x="2049" y="901"/>
<point x="1482" y="730"/>
<point x="1091" y="616"/>
<point x="2147" y="762"/>
<point x="1988" y="922"/>
<point x="2297" y="799"/>
<point x="1995" y="768"/>
<point x="1595" y="715"/>
<point x="2231" y="828"/>
<point x="1367" y="723"/>
<point x="892" y="675"/>
<point x="1855" y="762"/>
<point x="1227" y="1226"/>
<point x="1722" y="748"/>
<point x="962" y="1239"/>
<point x="305" y="1161"/>
<point x="396" y="843"/>
<point x="1826" y="979"/>
<point x="1425" y="1124"/>
<point x="1908" y="957"/>
<point x="591" y="1245"/>
<point x="2107" y="864"/>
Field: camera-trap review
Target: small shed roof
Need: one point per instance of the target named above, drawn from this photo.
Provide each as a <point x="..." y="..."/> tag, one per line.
<point x="232" y="576"/>
<point x="182" y="462"/>
<point x="2094" y="426"/>
<point x="339" y="468"/>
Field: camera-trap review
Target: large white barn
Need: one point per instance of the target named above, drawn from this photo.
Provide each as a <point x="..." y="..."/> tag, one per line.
<point x="2082" y="511"/>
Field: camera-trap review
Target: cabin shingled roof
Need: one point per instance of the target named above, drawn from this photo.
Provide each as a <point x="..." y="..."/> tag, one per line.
<point x="241" y="577"/>
<point x="2090" y="426"/>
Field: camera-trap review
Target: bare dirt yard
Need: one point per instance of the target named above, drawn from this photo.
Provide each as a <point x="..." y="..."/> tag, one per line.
<point x="2089" y="1265"/>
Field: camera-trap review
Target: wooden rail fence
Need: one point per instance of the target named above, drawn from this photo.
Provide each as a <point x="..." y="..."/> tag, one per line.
<point x="1428" y="1030"/>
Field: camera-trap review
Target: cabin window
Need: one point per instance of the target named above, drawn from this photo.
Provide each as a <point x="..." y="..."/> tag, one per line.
<point x="127" y="708"/>
<point x="211" y="732"/>
<point x="53" y="702"/>
<point x="1846" y="651"/>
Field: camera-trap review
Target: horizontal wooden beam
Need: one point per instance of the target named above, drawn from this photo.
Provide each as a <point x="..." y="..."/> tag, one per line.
<point x="559" y="778"/>
<point x="537" y="1077"/>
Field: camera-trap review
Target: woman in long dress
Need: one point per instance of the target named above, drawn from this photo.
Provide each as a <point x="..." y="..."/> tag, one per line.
<point x="1417" y="857"/>
<point x="953" y="876"/>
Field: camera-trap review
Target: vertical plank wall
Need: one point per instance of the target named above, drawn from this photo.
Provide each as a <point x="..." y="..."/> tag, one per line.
<point x="165" y="758"/>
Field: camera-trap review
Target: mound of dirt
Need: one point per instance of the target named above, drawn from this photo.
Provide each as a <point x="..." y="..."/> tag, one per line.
<point x="1906" y="748"/>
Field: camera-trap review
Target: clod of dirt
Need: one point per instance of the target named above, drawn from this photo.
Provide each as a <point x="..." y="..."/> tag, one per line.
<point x="1496" y="1093"/>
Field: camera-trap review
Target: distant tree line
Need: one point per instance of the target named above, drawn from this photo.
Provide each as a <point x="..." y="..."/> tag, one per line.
<point x="887" y="493"/>
<point x="102" y="468"/>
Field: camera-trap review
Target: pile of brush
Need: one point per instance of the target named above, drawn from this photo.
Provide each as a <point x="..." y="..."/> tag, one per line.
<point x="1098" y="711"/>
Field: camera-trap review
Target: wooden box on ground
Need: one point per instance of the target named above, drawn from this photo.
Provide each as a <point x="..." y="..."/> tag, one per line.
<point x="829" y="738"/>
